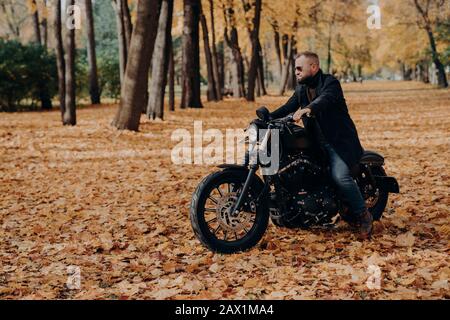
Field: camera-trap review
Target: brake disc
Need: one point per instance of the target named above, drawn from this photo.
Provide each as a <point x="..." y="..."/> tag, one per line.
<point x="229" y="222"/>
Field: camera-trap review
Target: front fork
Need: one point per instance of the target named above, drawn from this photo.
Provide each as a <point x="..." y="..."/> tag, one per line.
<point x="253" y="168"/>
<point x="243" y="194"/>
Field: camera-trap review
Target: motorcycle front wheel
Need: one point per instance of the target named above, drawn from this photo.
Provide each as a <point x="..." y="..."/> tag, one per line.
<point x="215" y="226"/>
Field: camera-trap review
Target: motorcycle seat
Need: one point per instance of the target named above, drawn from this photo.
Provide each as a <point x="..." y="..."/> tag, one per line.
<point x="371" y="158"/>
<point x="368" y="157"/>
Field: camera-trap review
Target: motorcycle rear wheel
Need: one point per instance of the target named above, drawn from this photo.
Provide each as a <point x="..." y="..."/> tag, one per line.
<point x="377" y="204"/>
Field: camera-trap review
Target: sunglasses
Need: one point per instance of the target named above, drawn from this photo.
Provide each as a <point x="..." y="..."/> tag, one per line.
<point x="301" y="68"/>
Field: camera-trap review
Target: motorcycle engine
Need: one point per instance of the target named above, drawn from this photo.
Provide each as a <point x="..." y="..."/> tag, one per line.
<point x="311" y="208"/>
<point x="299" y="171"/>
<point x="305" y="209"/>
<point x="307" y="197"/>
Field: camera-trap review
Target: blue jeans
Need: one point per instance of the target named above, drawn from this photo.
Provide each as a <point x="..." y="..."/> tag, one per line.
<point x="348" y="188"/>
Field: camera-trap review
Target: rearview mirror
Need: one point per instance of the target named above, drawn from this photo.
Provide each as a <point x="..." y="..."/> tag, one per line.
<point x="263" y="113"/>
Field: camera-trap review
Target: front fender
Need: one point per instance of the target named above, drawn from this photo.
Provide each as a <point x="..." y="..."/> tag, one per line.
<point x="244" y="170"/>
<point x="233" y="166"/>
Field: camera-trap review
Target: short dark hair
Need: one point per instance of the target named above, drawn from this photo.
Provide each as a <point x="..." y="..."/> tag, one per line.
<point x="308" y="54"/>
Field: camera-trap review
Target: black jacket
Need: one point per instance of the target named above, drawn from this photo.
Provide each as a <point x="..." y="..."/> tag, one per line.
<point x="330" y="110"/>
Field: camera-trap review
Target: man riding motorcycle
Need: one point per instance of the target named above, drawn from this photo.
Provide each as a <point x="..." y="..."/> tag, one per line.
<point x="321" y="95"/>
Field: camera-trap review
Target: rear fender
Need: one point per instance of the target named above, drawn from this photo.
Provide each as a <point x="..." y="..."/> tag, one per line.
<point x="388" y="184"/>
<point x="372" y="158"/>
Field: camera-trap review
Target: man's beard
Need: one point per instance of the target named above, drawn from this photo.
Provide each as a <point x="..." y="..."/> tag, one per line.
<point x="305" y="80"/>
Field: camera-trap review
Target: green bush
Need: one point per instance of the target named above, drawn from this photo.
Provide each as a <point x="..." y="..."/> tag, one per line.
<point x="109" y="75"/>
<point x="24" y="71"/>
<point x="81" y="74"/>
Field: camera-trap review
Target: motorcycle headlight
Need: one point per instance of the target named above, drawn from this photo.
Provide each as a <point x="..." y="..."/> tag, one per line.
<point x="252" y="134"/>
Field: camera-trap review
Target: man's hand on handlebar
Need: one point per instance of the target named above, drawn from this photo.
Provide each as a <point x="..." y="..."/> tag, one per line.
<point x="300" y="113"/>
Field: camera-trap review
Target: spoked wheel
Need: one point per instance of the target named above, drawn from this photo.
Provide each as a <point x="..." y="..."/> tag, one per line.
<point x="215" y="225"/>
<point x="376" y="199"/>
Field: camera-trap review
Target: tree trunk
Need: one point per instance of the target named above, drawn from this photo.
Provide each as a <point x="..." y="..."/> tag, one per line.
<point x="190" y="96"/>
<point x="37" y="30"/>
<point x="330" y="32"/>
<point x="215" y="64"/>
<point x="329" y="55"/>
<point x="123" y="48"/>
<point x="44" y="95"/>
<point x="128" y="26"/>
<point x="288" y="52"/>
<point x="292" y="81"/>
<point x="258" y="85"/>
<point x="253" y="70"/>
<point x="211" y="93"/>
<point x="171" y="78"/>
<point x="94" y="90"/>
<point x="442" y="78"/>
<point x="60" y="58"/>
<point x="221" y="65"/>
<point x="232" y="42"/>
<point x="9" y="17"/>
<point x="44" y="25"/>
<point x="135" y="86"/>
<point x="69" y="117"/>
<point x="403" y="70"/>
<point x="276" y="42"/>
<point x="160" y="62"/>
<point x="261" y="77"/>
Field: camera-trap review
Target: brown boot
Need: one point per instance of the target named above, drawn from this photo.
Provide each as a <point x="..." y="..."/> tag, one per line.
<point x="365" y="226"/>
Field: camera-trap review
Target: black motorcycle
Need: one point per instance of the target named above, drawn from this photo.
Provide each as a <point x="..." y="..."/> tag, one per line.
<point x="230" y="208"/>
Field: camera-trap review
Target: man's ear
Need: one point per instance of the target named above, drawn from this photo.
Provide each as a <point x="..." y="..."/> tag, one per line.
<point x="316" y="67"/>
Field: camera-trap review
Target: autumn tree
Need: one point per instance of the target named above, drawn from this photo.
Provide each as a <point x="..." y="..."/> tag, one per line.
<point x="403" y="44"/>
<point x="44" y="95"/>
<point x="94" y="90"/>
<point x="288" y="48"/>
<point x="44" y="23"/>
<point x="256" y="49"/>
<point x="190" y="96"/>
<point x="14" y="14"/>
<point x="273" y="22"/>
<point x="232" y="41"/>
<point x="135" y="84"/>
<point x="332" y="15"/>
<point x="69" y="116"/>
<point x="36" y="23"/>
<point x="214" y="54"/>
<point x="211" y="92"/>
<point x="429" y="13"/>
<point x="60" y="61"/>
<point x="124" y="31"/>
<point x="160" y="62"/>
<point x="284" y="26"/>
<point x="171" y="77"/>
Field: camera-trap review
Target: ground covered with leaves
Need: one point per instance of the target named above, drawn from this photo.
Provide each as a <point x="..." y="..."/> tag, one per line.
<point x="112" y="206"/>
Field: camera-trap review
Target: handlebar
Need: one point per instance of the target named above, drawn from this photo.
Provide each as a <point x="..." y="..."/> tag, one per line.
<point x="289" y="118"/>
